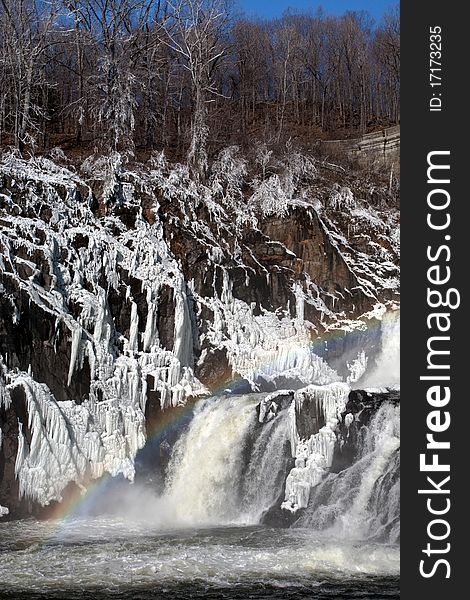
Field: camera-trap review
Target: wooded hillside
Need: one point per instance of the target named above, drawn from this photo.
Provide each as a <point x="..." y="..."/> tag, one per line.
<point x="189" y="76"/>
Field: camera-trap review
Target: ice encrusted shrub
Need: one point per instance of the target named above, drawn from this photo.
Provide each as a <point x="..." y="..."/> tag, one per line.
<point x="394" y="237"/>
<point x="116" y="107"/>
<point x="158" y="162"/>
<point x="57" y="155"/>
<point x="43" y="164"/>
<point x="273" y="193"/>
<point x="36" y="166"/>
<point x="179" y="175"/>
<point x="99" y="166"/>
<point x="228" y="175"/>
<point x="341" y="198"/>
<point x="9" y="153"/>
<point x="300" y="168"/>
<point x="270" y="197"/>
<point x="275" y="183"/>
<point x="179" y="188"/>
<point x="262" y="157"/>
<point x="107" y="169"/>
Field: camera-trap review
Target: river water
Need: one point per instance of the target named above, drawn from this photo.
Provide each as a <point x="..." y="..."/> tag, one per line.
<point x="113" y="558"/>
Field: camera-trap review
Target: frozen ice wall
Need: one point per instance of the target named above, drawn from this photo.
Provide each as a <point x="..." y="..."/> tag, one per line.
<point x="314" y="455"/>
<point x="264" y="346"/>
<point x="70" y="265"/>
<point x="134" y="275"/>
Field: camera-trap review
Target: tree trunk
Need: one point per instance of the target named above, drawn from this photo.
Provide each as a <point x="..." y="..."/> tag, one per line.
<point x="25" y="108"/>
<point x="197" y="154"/>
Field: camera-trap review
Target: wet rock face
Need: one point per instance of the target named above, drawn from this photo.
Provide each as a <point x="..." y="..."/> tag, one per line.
<point x="303" y="233"/>
<point x="39" y="345"/>
<point x="272" y="404"/>
<point x="214" y="371"/>
<point x="272" y="258"/>
<point x="360" y="408"/>
<point x="309" y="419"/>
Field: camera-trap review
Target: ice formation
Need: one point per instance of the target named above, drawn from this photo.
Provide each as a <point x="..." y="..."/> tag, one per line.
<point x="71" y="441"/>
<point x="264" y="346"/>
<point x="357" y="367"/>
<point x="313" y="456"/>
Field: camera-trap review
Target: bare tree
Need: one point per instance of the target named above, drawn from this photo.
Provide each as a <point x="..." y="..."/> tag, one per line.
<point x="387" y="55"/>
<point x="116" y="31"/>
<point x="194" y="32"/>
<point x="252" y="49"/>
<point x="26" y="36"/>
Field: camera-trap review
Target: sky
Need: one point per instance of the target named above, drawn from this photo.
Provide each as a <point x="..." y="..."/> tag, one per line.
<point x="275" y="8"/>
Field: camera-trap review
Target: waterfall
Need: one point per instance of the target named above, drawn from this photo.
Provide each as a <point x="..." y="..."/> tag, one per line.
<point x="265" y="475"/>
<point x="227" y="467"/>
<point x="362" y="502"/>
<point x="207" y="461"/>
<point x="386" y="372"/>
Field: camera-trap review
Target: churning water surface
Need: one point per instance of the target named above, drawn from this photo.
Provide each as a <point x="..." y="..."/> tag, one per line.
<point x="113" y="558"/>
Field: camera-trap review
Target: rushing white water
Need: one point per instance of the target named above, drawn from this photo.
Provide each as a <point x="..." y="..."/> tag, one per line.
<point x="207" y="461"/>
<point x="110" y="558"/>
<point x="227" y="467"/>
<point x="363" y="501"/>
<point x="264" y="477"/>
<point x="386" y="372"/>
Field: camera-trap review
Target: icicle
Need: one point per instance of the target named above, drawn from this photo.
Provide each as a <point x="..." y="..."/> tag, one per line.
<point x="299" y="303"/>
<point x="76" y="338"/>
<point x="183" y="344"/>
<point x="151" y="332"/>
<point x="134" y="329"/>
<point x="357" y="367"/>
<point x="20" y="454"/>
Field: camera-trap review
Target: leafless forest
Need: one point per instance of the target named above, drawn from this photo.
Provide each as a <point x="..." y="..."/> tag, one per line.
<point x="189" y="76"/>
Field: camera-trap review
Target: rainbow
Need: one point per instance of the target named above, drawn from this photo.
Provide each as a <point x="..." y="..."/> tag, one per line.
<point x="78" y="501"/>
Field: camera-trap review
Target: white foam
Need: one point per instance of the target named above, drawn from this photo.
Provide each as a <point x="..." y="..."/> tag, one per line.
<point x="386" y="372"/>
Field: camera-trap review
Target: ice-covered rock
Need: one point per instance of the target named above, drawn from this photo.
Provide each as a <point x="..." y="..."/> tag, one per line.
<point x="315" y="414"/>
<point x="126" y="292"/>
